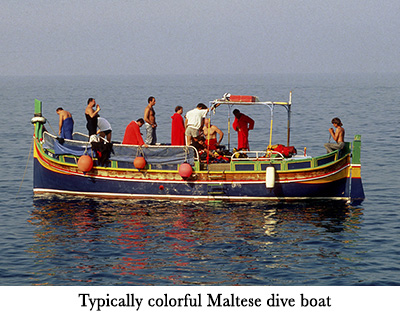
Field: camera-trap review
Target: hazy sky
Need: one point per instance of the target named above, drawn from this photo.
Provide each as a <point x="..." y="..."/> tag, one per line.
<point x="198" y="37"/>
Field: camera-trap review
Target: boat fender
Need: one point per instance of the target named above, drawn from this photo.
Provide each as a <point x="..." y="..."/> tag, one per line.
<point x="38" y="119"/>
<point x="185" y="170"/>
<point x="94" y="138"/>
<point x="85" y="163"/>
<point x="270" y="177"/>
<point x="139" y="162"/>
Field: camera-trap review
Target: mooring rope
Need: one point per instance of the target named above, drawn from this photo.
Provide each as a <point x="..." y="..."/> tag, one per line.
<point x="26" y="167"/>
<point x="51" y="127"/>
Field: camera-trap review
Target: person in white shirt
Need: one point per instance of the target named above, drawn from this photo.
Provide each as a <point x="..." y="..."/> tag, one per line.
<point x="194" y="122"/>
<point x="104" y="128"/>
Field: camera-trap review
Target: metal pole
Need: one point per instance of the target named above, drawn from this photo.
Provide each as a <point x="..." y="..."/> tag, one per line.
<point x="270" y="129"/>
<point x="229" y="128"/>
<point x="288" y="122"/>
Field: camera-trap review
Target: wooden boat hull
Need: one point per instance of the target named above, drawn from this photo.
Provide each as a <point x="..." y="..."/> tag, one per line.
<point x="331" y="182"/>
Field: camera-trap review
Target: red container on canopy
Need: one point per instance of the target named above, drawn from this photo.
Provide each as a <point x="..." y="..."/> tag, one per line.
<point x="243" y="98"/>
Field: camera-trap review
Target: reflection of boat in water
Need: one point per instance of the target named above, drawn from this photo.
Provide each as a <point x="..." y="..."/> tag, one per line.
<point x="156" y="242"/>
<point x="179" y="172"/>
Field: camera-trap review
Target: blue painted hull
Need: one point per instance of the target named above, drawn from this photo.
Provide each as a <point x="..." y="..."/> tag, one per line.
<point x="47" y="181"/>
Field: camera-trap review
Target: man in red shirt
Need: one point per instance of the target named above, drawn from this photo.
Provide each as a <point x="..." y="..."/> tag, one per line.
<point x="242" y="125"/>
<point x="132" y="134"/>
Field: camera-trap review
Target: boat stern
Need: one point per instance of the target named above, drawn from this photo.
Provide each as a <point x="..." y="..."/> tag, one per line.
<point x="357" y="194"/>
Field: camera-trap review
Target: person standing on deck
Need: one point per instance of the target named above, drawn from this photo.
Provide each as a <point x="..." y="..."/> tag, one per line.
<point x="91" y="116"/>
<point x="194" y="122"/>
<point x="337" y="135"/>
<point x="150" y="122"/>
<point x="242" y="124"/>
<point x="104" y="128"/>
<point x="65" y="124"/>
<point x="132" y="134"/>
<point x="178" y="128"/>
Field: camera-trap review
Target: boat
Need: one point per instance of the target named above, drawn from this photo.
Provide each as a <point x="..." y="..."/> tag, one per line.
<point x="181" y="173"/>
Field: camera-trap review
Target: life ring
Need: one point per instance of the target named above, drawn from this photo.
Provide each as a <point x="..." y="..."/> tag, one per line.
<point x="38" y="119"/>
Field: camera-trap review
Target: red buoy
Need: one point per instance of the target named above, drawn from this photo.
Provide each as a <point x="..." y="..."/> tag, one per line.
<point x="85" y="163"/>
<point x="139" y="162"/>
<point x="185" y="170"/>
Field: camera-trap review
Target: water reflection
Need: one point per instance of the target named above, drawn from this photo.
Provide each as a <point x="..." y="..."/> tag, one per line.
<point x="105" y="242"/>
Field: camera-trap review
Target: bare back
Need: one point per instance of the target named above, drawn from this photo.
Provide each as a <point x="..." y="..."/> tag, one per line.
<point x="339" y="134"/>
<point x="65" y="114"/>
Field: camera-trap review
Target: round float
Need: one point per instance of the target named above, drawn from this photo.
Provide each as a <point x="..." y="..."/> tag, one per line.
<point x="139" y="162"/>
<point x="185" y="170"/>
<point x="85" y="163"/>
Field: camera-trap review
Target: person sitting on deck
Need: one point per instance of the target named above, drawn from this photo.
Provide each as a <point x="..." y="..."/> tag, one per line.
<point x="338" y="136"/>
<point x="199" y="144"/>
<point x="211" y="156"/>
<point x="132" y="134"/>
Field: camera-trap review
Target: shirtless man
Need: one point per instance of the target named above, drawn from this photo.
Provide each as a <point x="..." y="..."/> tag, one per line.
<point x="337" y="135"/>
<point x="65" y="124"/>
<point x="150" y="122"/>
<point x="211" y="140"/>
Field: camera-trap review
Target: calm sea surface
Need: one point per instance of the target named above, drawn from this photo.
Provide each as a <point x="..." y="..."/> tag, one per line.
<point x="75" y="241"/>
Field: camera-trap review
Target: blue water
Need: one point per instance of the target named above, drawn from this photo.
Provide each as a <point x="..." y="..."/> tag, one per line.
<point x="75" y="241"/>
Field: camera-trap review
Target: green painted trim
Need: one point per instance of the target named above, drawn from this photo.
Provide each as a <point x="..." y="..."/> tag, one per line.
<point x="356" y="157"/>
<point x="38" y="108"/>
<point x="38" y="113"/>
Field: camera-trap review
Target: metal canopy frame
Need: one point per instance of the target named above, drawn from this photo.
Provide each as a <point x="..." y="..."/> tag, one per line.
<point x="271" y="105"/>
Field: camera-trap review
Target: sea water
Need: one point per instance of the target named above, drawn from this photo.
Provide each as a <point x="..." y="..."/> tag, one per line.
<point x="56" y="240"/>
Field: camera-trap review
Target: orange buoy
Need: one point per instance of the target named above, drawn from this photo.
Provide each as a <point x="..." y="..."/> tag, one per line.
<point x="85" y="163"/>
<point x="185" y="170"/>
<point x="139" y="162"/>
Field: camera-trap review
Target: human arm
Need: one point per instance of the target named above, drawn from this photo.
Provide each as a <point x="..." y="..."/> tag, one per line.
<point x="220" y="133"/>
<point x="235" y="125"/>
<point x="146" y="115"/>
<point x="251" y="123"/>
<point x="138" y="135"/>
<point x="92" y="113"/>
<point x="337" y="135"/>
<point x="60" y="124"/>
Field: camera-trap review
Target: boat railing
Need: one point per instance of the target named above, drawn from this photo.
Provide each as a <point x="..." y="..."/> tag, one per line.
<point x="80" y="137"/>
<point x="155" y="154"/>
<point x="256" y="155"/>
<point x="265" y="156"/>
